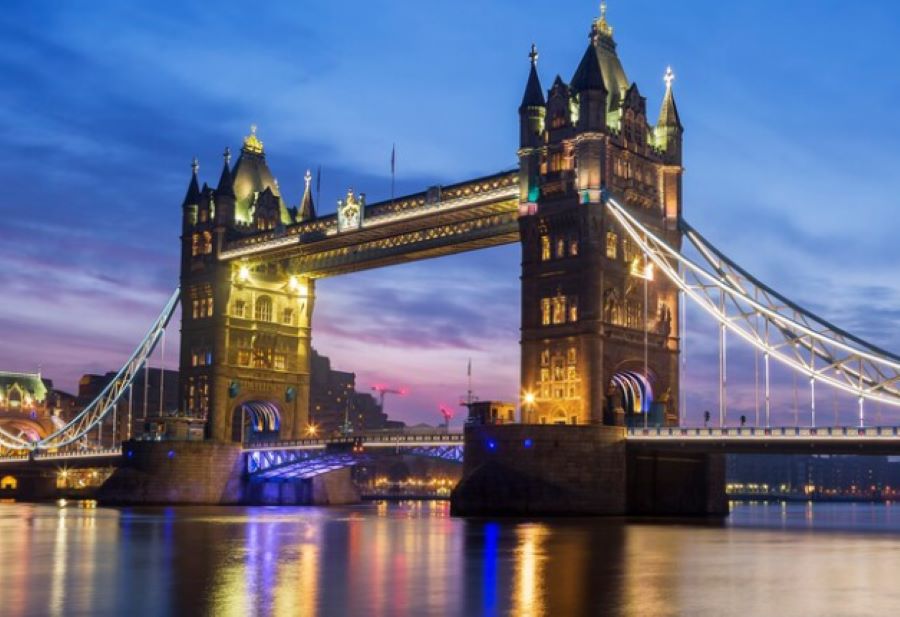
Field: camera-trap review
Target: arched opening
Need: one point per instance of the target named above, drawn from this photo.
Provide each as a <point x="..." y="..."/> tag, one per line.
<point x="256" y="421"/>
<point x="263" y="308"/>
<point x="8" y="483"/>
<point x="15" y="398"/>
<point x="630" y="397"/>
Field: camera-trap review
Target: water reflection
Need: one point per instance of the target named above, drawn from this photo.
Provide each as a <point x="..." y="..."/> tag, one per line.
<point x="412" y="559"/>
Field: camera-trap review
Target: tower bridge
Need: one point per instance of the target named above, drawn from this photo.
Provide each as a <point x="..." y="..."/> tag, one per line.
<point x="596" y="206"/>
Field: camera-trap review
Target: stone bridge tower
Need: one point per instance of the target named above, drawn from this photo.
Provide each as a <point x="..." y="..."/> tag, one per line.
<point x="599" y="330"/>
<point x="245" y="339"/>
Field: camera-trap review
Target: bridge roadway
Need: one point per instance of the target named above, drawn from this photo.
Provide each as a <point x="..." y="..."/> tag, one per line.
<point x="874" y="441"/>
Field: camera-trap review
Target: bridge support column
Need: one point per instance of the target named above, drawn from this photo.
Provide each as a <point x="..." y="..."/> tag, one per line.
<point x="545" y="470"/>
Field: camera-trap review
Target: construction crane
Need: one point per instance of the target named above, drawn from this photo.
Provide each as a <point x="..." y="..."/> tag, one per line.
<point x="447" y="414"/>
<point x="384" y="391"/>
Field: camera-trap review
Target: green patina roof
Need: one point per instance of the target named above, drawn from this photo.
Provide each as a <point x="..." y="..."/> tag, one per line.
<point x="30" y="383"/>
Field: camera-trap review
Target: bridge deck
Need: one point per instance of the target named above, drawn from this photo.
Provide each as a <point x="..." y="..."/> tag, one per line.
<point x="791" y="440"/>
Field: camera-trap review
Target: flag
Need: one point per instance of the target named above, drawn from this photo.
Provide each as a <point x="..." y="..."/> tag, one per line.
<point x="394" y="159"/>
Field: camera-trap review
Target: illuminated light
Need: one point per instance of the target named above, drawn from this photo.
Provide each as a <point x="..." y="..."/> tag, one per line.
<point x="528" y="443"/>
<point x="312" y="430"/>
<point x="62" y="503"/>
<point x="171" y="454"/>
<point x="296" y="285"/>
<point x="492" y="445"/>
<point x="529" y="398"/>
<point x="244" y="273"/>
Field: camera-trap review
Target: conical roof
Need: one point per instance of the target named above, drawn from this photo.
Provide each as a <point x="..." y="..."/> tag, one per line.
<point x="192" y="197"/>
<point x="307" y="209"/>
<point x="534" y="92"/>
<point x="589" y="75"/>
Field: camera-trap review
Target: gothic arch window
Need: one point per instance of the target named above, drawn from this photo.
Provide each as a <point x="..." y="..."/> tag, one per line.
<point x="263" y="308"/>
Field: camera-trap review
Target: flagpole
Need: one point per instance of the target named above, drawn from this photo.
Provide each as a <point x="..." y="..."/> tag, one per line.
<point x="319" y="186"/>
<point x="393" y="170"/>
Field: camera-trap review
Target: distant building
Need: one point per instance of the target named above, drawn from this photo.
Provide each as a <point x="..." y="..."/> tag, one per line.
<point x="29" y="407"/>
<point x="145" y="416"/>
<point x="826" y="476"/>
<point x="333" y="400"/>
<point x="491" y="412"/>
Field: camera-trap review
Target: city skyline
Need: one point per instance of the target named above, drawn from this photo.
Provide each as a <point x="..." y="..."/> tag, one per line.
<point x="103" y="181"/>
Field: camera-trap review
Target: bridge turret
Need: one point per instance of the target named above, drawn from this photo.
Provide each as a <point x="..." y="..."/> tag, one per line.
<point x="669" y="130"/>
<point x="225" y="199"/>
<point x="669" y="139"/>
<point x="534" y="107"/>
<point x="532" y="115"/>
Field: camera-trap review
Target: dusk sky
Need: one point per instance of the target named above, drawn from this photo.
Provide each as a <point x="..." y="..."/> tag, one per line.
<point x="792" y="147"/>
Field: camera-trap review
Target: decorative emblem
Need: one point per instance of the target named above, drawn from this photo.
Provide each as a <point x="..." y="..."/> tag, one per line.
<point x="350" y="212"/>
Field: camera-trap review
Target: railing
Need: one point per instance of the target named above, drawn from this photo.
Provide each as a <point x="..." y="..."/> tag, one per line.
<point x="757" y="433"/>
<point x="69" y="455"/>
<point x="367" y="441"/>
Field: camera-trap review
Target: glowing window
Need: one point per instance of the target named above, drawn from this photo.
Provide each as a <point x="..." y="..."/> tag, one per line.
<point x="240" y="308"/>
<point x="546" y="306"/>
<point x="559" y="310"/>
<point x="612" y="245"/>
<point x="560" y="248"/>
<point x="573" y="356"/>
<point x="263" y="308"/>
<point x="545" y="248"/>
<point x="573" y="308"/>
<point x="288" y="316"/>
<point x="573" y="247"/>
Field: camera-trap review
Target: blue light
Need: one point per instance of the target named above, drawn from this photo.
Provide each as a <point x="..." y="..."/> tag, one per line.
<point x="528" y="443"/>
<point x="171" y="453"/>
<point x="492" y="445"/>
<point x="129" y="454"/>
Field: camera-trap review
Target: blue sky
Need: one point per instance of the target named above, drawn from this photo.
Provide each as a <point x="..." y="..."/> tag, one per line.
<point x="792" y="147"/>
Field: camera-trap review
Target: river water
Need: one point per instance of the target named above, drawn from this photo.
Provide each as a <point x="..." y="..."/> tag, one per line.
<point x="414" y="559"/>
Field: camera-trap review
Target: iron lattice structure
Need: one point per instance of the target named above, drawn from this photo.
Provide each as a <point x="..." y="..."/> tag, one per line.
<point x="768" y="321"/>
<point x="91" y="416"/>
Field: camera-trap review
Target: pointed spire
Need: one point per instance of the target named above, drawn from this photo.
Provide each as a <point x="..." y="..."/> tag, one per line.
<point x="534" y="92"/>
<point x="589" y="75"/>
<point x="192" y="197"/>
<point x="668" y="115"/>
<point x="307" y="210"/>
<point x="226" y="183"/>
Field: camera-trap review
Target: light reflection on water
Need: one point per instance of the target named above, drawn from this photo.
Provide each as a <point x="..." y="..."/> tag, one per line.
<point x="383" y="560"/>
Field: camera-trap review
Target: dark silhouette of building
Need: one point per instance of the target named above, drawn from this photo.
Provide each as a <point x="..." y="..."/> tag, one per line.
<point x="334" y="400"/>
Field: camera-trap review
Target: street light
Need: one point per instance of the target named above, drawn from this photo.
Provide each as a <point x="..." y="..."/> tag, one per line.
<point x="528" y="399"/>
<point x="312" y="430"/>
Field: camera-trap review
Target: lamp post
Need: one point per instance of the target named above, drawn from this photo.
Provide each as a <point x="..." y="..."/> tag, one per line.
<point x="528" y="399"/>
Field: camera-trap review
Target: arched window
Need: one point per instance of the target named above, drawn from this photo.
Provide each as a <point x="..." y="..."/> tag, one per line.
<point x="8" y="483"/>
<point x="264" y="308"/>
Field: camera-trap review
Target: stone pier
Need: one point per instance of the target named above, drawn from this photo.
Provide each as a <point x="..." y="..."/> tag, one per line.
<point x="565" y="470"/>
<point x="210" y="473"/>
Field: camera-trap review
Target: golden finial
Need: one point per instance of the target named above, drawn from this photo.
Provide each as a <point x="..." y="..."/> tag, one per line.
<point x="669" y="78"/>
<point x="252" y="142"/>
<point x="601" y="25"/>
